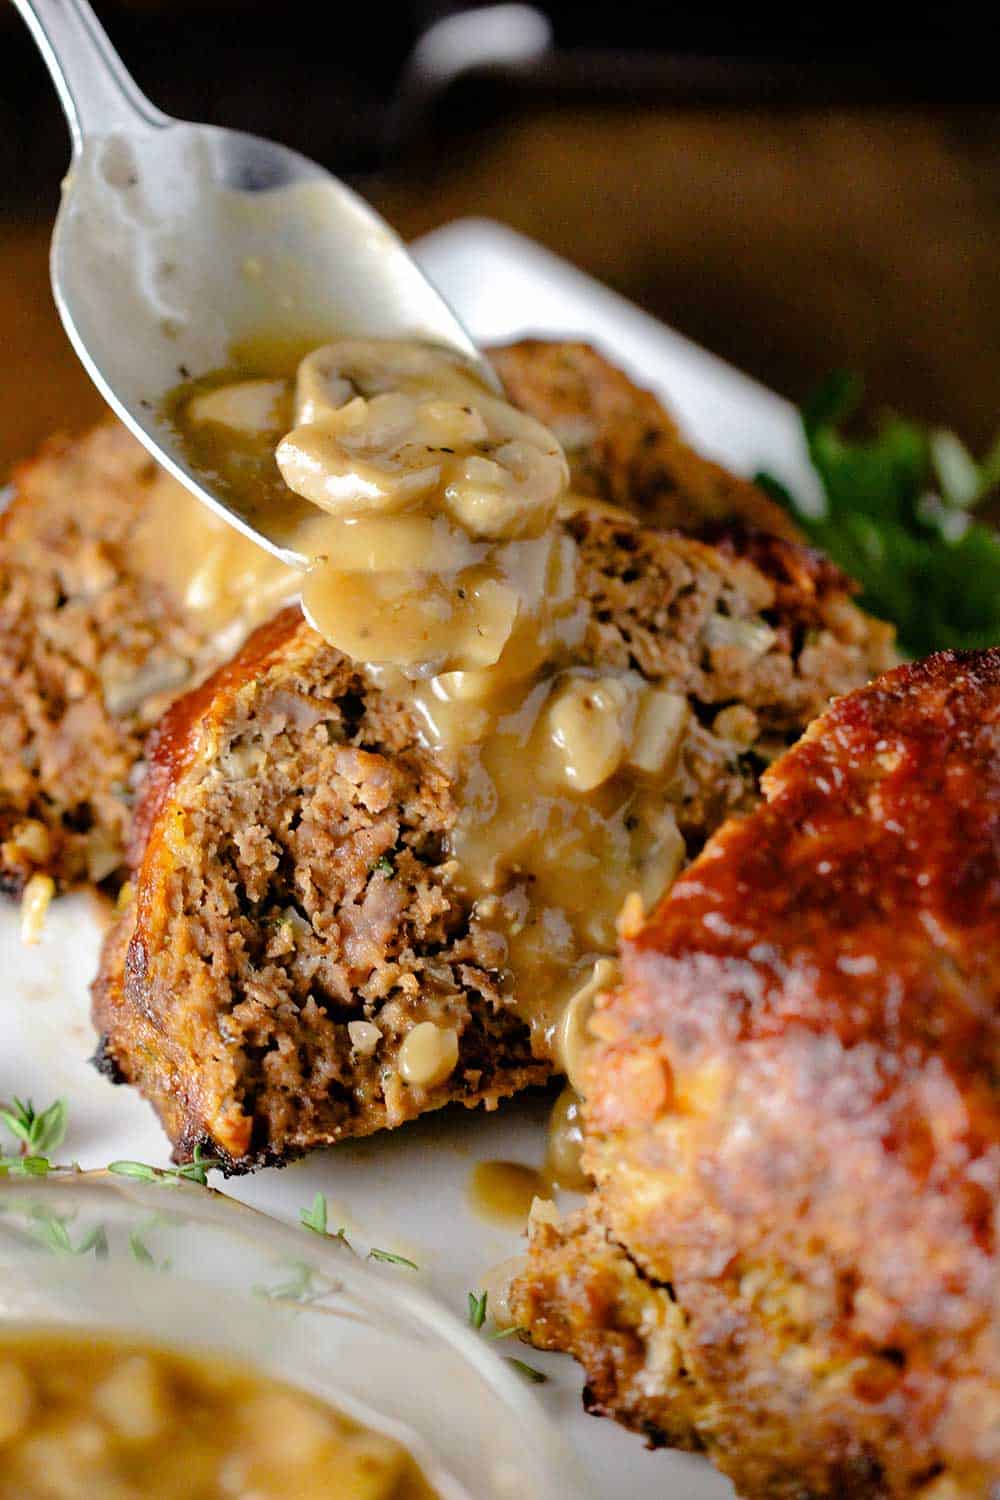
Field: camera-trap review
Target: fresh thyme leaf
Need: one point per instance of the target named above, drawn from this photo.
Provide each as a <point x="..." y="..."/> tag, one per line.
<point x="52" y="1231"/>
<point x="25" y="1166"/>
<point x="300" y="1286"/>
<point x="394" y="1260"/>
<point x="477" y="1309"/>
<point x="96" y="1240"/>
<point x="40" y="1133"/>
<point x="191" y="1171"/>
<point x="537" y="1377"/>
<point x="899" y="518"/>
<point x="314" y="1218"/>
<point x="139" y="1250"/>
<point x="197" y="1169"/>
<point x="137" y="1169"/>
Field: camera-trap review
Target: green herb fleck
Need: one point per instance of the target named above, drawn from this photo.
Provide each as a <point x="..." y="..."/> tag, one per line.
<point x="300" y="1286"/>
<point x="52" y="1231"/>
<point x="25" y="1166"/>
<point x="139" y="1250"/>
<point x="384" y="865"/>
<point x="137" y="1169"/>
<point x="40" y="1133"/>
<point x="192" y="1171"/>
<point x="537" y="1377"/>
<point x="394" y="1260"/>
<point x="507" y="1333"/>
<point x="477" y="1309"/>
<point x="314" y="1218"/>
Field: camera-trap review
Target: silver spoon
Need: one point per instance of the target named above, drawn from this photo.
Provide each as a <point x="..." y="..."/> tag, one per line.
<point x="176" y="241"/>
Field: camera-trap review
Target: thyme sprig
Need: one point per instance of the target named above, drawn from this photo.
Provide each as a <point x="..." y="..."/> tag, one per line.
<point x="317" y="1217"/>
<point x="40" y="1131"/>
<point x="478" y="1302"/>
<point x="196" y="1170"/>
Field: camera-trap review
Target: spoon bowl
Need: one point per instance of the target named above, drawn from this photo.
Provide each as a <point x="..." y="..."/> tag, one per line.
<point x="177" y="243"/>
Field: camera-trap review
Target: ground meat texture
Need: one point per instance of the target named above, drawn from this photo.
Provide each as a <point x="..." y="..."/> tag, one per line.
<point x="623" y="446"/>
<point x="794" y="1121"/>
<point x="89" y="655"/>
<point x="92" y="649"/>
<point x="290" y="859"/>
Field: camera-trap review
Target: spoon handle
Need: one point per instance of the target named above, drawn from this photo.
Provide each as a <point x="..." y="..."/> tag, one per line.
<point x="95" y="88"/>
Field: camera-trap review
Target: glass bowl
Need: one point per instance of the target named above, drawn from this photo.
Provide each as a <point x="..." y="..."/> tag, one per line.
<point x="179" y="1264"/>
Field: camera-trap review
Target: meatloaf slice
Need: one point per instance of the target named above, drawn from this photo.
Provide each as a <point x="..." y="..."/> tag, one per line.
<point x="94" y="645"/>
<point x="291" y="854"/>
<point x="793" y="1118"/>
<point x="623" y="446"/>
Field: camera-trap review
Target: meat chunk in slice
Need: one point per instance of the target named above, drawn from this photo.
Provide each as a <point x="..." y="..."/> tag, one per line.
<point x="793" y="1119"/>
<point x="295" y="913"/>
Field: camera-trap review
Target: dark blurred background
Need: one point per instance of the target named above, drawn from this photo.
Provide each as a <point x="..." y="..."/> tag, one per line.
<point x="797" y="192"/>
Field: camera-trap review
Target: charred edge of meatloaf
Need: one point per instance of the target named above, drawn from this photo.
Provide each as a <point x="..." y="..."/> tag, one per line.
<point x="583" y="1294"/>
<point x="580" y="1293"/>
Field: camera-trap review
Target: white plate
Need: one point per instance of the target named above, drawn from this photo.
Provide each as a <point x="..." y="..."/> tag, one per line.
<point x="407" y="1192"/>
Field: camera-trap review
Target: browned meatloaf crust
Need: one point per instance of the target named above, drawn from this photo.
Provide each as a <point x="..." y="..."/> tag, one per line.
<point x="794" y="1120"/>
<point x="264" y="920"/>
<point x="623" y="447"/>
<point x="92" y="650"/>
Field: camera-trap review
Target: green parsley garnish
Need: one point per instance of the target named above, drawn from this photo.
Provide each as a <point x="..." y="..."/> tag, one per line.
<point x="40" y="1133"/>
<point x="899" y="517"/>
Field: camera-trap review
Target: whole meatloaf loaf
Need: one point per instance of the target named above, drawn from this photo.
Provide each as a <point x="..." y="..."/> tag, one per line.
<point x="793" y="1117"/>
<point x="292" y="921"/>
<point x="101" y="626"/>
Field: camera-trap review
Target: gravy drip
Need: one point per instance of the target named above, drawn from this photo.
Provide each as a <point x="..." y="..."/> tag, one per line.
<point x="428" y="507"/>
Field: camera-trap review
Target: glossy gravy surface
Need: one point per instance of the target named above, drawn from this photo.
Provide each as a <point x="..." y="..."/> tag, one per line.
<point x="429" y="507"/>
<point x="86" y="1415"/>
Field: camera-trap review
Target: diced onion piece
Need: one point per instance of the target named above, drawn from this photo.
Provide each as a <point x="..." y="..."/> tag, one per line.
<point x="364" y="1037"/>
<point x="588" y="724"/>
<point x="35" y="902"/>
<point x="428" y="1055"/>
<point x="659" y="730"/>
<point x="752" y="635"/>
<point x="32" y="839"/>
<point x="738" y="724"/>
<point x="250" y="407"/>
